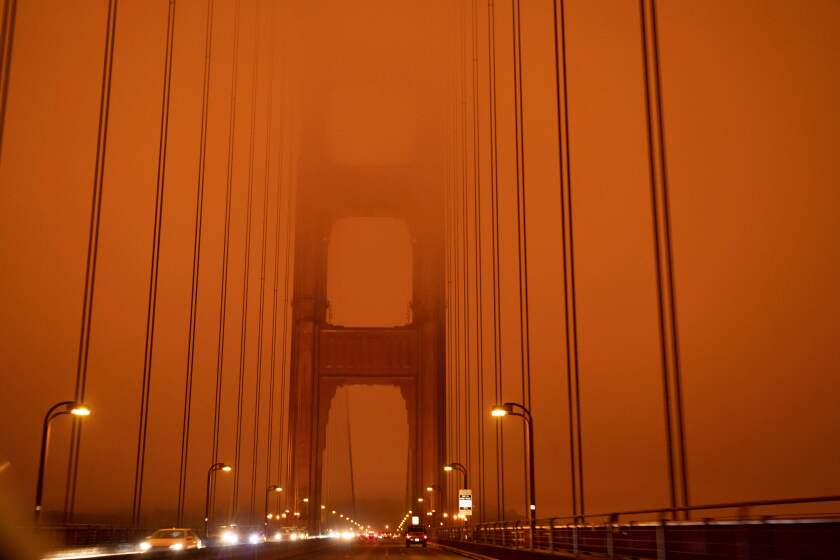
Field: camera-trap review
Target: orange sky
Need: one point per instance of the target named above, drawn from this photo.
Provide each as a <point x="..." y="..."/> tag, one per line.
<point x="750" y="91"/>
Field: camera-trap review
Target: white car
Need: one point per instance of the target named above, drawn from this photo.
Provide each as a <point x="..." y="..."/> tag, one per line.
<point x="171" y="539"/>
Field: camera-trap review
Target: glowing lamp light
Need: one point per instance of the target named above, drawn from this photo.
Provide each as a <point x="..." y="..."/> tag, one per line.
<point x="499" y="411"/>
<point x="80" y="410"/>
<point x="306" y="500"/>
<point x="227" y="468"/>
<point x="447" y="468"/>
<point x="429" y="489"/>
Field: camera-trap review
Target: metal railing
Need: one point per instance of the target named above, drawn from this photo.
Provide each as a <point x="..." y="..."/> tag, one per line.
<point x="89" y="535"/>
<point x="735" y="532"/>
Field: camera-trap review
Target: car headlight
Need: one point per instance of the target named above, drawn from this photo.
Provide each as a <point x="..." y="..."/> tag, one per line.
<point x="253" y="538"/>
<point x="229" y="537"/>
<point x="176" y="546"/>
<point x="144" y="546"/>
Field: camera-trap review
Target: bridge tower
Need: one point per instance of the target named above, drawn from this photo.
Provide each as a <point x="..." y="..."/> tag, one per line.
<point x="326" y="357"/>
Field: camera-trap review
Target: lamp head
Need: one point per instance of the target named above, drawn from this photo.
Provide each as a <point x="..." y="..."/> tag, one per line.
<point x="501" y="410"/>
<point x="226" y="468"/>
<point x="447" y="468"/>
<point x="79" y="410"/>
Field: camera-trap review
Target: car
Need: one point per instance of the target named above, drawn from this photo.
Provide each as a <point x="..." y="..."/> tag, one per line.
<point x="416" y="534"/>
<point x="172" y="538"/>
<point x="369" y="537"/>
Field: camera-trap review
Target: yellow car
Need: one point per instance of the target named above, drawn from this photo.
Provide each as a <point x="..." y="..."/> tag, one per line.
<point x="171" y="539"/>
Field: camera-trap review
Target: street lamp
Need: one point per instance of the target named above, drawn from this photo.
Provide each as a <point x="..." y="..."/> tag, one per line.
<point x="213" y="468"/>
<point x="268" y="491"/>
<point x="460" y="468"/>
<point x="516" y="409"/>
<point x="64" y="407"/>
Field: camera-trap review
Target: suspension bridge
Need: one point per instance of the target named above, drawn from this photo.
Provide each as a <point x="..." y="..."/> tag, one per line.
<point x="507" y="278"/>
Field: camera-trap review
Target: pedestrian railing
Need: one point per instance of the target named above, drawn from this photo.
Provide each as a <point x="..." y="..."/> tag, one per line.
<point x="727" y="531"/>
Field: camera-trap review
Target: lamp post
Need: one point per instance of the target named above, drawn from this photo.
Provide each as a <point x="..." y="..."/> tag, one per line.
<point x="454" y="466"/>
<point x="213" y="468"/>
<point x="268" y="491"/>
<point x="516" y="409"/>
<point x="59" y="409"/>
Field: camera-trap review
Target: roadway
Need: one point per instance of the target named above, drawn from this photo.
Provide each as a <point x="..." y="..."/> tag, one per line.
<point x="359" y="551"/>
<point x="311" y="549"/>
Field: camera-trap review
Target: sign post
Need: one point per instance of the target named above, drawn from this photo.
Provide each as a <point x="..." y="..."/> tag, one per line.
<point x="465" y="502"/>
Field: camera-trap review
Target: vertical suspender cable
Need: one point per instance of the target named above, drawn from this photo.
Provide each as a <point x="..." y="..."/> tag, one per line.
<point x="465" y="241"/>
<point x="481" y="415"/>
<point x="257" y="395"/>
<point x="237" y="457"/>
<point x="569" y="292"/>
<point x="284" y="336"/>
<point x="269" y="456"/>
<point x="220" y="350"/>
<point x="497" y="310"/>
<point x="151" y="309"/>
<point x="349" y="454"/>
<point x="521" y="228"/>
<point x="196" y="272"/>
<point x="92" y="253"/>
<point x="663" y="253"/>
<point x="7" y="41"/>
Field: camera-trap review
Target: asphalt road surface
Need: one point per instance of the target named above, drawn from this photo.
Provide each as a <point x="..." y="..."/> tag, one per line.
<point x="397" y="551"/>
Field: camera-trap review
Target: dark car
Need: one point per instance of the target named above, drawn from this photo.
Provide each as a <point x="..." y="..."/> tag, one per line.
<point x="416" y="534"/>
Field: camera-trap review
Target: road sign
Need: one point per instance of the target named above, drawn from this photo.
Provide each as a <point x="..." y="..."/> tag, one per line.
<point x="465" y="501"/>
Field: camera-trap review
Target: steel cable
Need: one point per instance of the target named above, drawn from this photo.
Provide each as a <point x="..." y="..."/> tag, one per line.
<point x="567" y="238"/>
<point x="151" y="309"/>
<point x="7" y="41"/>
<point x="92" y="254"/>
<point x="196" y="271"/>
<point x="663" y="257"/>
<point x="479" y="269"/>
<point x="260" y="315"/>
<point x="521" y="228"/>
<point x="220" y="350"/>
<point x="240" y="393"/>
<point x="496" y="249"/>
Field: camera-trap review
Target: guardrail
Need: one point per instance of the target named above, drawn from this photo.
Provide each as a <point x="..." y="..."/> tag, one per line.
<point x="660" y="533"/>
<point x="89" y="535"/>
